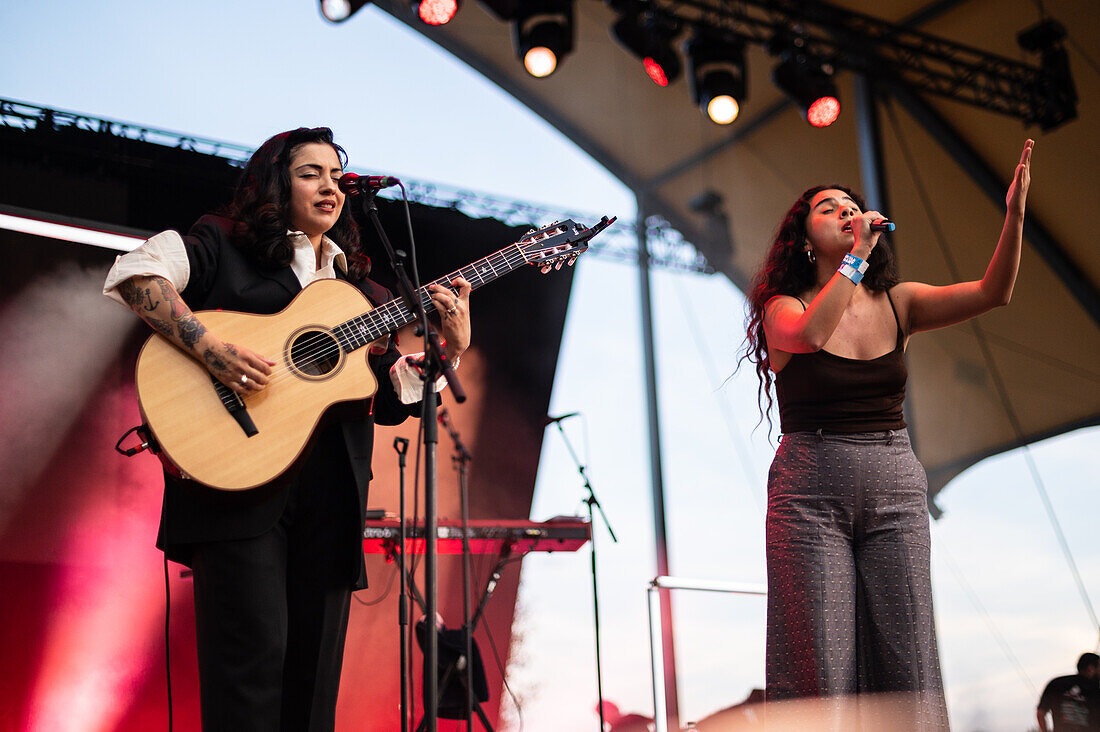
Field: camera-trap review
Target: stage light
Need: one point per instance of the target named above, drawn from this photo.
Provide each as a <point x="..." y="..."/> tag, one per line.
<point x="723" y="109"/>
<point x="717" y="75"/>
<point x="649" y="37"/>
<point x="543" y="35"/>
<point x="1054" y="96"/>
<point x="436" y="12"/>
<point x="540" y="61"/>
<point x="810" y="85"/>
<point x="337" y="11"/>
<point x="823" y="112"/>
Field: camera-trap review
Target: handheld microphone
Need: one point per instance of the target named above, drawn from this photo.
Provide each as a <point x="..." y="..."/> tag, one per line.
<point x="554" y="420"/>
<point x="880" y="225"/>
<point x="353" y="184"/>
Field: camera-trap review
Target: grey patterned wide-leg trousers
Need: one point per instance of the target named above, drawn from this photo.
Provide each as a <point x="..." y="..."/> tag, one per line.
<point x="849" y="590"/>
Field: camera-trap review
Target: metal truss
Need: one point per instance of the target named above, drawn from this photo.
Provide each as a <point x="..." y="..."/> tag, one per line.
<point x="668" y="248"/>
<point x="845" y="39"/>
<point x="25" y="116"/>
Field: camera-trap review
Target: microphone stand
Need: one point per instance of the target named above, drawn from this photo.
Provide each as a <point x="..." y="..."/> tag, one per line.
<point x="401" y="446"/>
<point x="592" y="501"/>
<point x="461" y="460"/>
<point x="435" y="364"/>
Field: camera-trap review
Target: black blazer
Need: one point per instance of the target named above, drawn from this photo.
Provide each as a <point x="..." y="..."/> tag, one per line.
<point x="222" y="276"/>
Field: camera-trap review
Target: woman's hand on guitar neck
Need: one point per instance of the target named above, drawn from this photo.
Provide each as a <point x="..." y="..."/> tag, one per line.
<point x="157" y="302"/>
<point x="453" y="306"/>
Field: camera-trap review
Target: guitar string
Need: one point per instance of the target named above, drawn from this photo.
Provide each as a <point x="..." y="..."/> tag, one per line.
<point x="326" y="340"/>
<point x="322" y="345"/>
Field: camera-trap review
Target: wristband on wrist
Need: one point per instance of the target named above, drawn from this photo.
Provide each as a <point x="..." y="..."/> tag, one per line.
<point x="853" y="268"/>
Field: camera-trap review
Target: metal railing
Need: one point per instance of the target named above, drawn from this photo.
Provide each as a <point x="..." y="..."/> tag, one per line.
<point x="656" y="633"/>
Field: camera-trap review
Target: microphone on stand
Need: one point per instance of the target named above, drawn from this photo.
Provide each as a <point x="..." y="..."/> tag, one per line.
<point x="880" y="225"/>
<point x="353" y="184"/>
<point x="554" y="420"/>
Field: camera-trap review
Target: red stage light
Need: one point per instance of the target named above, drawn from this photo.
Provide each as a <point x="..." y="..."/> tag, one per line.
<point x="823" y="112"/>
<point x="437" y="12"/>
<point x="655" y="71"/>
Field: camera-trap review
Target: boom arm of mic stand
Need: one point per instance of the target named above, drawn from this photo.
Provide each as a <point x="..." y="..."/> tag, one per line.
<point x="433" y="350"/>
<point x="591" y="500"/>
<point x="397" y="262"/>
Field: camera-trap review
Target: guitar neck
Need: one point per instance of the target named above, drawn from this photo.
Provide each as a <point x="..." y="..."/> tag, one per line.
<point x="396" y="314"/>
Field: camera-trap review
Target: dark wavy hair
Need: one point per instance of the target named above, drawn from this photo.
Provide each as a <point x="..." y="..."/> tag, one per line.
<point x="788" y="271"/>
<point x="260" y="205"/>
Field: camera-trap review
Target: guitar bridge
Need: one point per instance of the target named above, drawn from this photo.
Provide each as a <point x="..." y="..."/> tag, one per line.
<point x="236" y="408"/>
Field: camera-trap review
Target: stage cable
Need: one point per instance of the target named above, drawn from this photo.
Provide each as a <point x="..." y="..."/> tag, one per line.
<point x="497" y="658"/>
<point x="945" y="552"/>
<point x="994" y="372"/>
<point x="167" y="614"/>
<point x="385" y="592"/>
<point x="167" y="638"/>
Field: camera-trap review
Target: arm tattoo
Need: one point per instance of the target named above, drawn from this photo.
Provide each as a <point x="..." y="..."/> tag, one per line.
<point x="188" y="327"/>
<point x="190" y="330"/>
<point x="137" y="297"/>
<point x="140" y="300"/>
<point x="213" y="361"/>
<point x="159" y="325"/>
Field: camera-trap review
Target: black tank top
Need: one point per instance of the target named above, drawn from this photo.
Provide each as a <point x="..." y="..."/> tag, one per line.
<point x="823" y="391"/>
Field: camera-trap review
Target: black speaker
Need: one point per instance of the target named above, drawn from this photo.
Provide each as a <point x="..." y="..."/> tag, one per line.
<point x="451" y="674"/>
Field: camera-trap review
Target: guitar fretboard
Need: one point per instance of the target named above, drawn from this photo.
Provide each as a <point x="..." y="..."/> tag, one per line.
<point x="395" y="314"/>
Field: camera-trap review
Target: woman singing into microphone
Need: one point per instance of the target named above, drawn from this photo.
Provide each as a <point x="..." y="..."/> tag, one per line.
<point x="849" y="592"/>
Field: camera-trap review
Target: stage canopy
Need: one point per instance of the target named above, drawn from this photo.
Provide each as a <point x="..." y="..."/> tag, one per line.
<point x="1016" y="375"/>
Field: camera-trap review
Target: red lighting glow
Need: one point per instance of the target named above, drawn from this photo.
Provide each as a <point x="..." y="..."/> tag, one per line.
<point x="437" y="12"/>
<point x="823" y="112"/>
<point x="655" y="72"/>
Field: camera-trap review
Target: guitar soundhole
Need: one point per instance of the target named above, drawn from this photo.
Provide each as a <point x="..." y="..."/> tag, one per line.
<point x="314" y="354"/>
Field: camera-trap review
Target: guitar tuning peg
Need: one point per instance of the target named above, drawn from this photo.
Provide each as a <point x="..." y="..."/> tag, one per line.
<point x="544" y="269"/>
<point x="558" y="264"/>
<point x="571" y="260"/>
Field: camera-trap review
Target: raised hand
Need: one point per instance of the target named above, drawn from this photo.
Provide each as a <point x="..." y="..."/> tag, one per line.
<point x="1016" y="199"/>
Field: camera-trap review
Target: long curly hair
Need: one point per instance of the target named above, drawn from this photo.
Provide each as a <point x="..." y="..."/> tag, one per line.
<point x="261" y="203"/>
<point x="788" y="271"/>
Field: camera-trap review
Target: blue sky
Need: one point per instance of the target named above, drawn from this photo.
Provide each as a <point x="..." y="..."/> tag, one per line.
<point x="1008" y="613"/>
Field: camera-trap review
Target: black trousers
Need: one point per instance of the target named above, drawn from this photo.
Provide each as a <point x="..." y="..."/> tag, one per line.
<point x="271" y="611"/>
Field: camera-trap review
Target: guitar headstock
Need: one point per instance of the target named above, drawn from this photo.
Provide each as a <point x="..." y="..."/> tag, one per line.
<point x="559" y="243"/>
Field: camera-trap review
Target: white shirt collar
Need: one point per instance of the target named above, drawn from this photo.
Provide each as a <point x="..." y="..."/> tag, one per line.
<point x="331" y="253"/>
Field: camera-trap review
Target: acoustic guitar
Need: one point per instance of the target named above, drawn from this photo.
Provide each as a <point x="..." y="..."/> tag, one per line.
<point x="221" y="440"/>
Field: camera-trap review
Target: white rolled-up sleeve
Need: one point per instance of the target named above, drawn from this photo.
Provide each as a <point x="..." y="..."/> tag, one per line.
<point x="160" y="256"/>
<point x="408" y="378"/>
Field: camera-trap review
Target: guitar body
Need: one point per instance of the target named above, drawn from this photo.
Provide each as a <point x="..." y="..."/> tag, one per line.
<point x="190" y="420"/>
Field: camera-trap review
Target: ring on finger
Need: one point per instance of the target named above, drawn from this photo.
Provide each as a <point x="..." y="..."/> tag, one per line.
<point x="244" y="378"/>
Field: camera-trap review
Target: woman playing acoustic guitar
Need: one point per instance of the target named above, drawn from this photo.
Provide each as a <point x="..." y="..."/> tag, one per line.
<point x="274" y="567"/>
